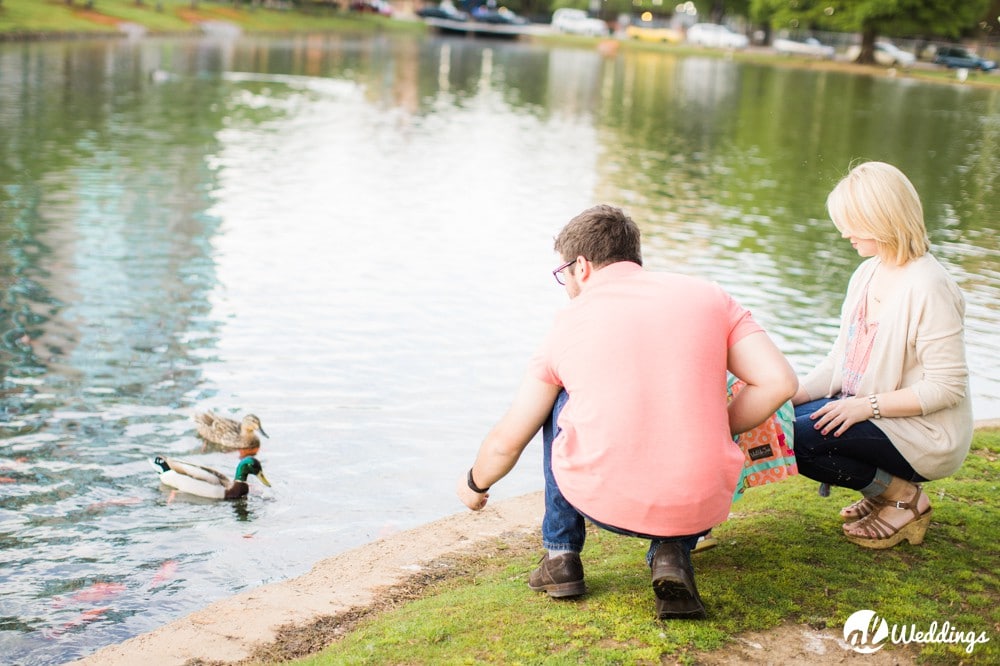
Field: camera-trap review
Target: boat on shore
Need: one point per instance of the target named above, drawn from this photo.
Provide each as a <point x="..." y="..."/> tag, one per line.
<point x="475" y="28"/>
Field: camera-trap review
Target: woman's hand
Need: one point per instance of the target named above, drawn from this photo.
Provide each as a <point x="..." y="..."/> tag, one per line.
<point x="839" y="415"/>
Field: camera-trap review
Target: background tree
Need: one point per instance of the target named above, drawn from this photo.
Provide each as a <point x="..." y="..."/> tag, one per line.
<point x="872" y="18"/>
<point x="990" y="24"/>
<point x="716" y="11"/>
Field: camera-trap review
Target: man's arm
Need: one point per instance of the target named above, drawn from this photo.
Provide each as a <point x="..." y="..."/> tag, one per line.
<point x="770" y="381"/>
<point x="503" y="445"/>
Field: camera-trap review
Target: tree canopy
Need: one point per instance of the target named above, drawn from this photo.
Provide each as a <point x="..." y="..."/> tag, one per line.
<point x="872" y="18"/>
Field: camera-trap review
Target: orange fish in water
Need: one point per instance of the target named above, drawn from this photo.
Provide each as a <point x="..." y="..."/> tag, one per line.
<point x="90" y="594"/>
<point x="97" y="592"/>
<point x="122" y="501"/>
<point x="83" y="618"/>
<point x="166" y="573"/>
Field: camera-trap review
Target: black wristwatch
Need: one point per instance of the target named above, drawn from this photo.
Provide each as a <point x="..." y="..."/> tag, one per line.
<point x="474" y="487"/>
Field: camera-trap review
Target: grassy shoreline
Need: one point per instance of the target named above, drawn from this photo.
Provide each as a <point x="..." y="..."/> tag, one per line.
<point x="782" y="570"/>
<point x="53" y="19"/>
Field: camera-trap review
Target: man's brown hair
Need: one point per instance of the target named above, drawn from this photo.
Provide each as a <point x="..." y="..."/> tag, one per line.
<point x="603" y="235"/>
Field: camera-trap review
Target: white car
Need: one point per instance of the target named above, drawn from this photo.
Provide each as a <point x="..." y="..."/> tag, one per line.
<point x="576" y="22"/>
<point x="886" y="54"/>
<point x="712" y="34"/>
<point x="807" y="47"/>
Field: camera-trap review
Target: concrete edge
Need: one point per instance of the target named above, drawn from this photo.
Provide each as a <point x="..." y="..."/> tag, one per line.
<point x="228" y="629"/>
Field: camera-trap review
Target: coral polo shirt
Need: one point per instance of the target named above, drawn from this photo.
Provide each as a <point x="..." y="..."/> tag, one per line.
<point x="645" y="443"/>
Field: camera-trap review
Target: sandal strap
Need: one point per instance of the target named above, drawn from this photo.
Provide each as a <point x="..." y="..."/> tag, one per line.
<point x="866" y="505"/>
<point x="874" y="527"/>
<point x="873" y="523"/>
<point x="912" y="504"/>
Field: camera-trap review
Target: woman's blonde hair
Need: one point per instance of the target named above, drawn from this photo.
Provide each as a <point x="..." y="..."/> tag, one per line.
<point x="876" y="200"/>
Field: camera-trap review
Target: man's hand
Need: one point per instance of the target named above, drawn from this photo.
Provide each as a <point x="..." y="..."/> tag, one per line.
<point x="470" y="498"/>
<point x="503" y="445"/>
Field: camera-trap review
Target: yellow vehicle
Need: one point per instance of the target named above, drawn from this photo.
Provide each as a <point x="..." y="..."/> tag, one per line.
<point x="649" y="30"/>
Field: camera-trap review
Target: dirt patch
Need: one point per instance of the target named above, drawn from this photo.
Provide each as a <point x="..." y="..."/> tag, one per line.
<point x="189" y="15"/>
<point x="800" y="644"/>
<point x="95" y="17"/>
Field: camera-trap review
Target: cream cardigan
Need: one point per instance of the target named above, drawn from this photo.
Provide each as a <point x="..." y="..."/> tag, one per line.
<point x="919" y="345"/>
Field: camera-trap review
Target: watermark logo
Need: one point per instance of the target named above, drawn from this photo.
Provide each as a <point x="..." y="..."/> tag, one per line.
<point x="866" y="632"/>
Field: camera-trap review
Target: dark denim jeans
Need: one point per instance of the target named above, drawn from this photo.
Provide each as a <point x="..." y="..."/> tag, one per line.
<point x="852" y="460"/>
<point x="563" y="526"/>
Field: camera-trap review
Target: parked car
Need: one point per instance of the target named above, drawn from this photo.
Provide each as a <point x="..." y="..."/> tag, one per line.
<point x="381" y="7"/>
<point x="810" y="46"/>
<point x="956" y="56"/>
<point x="445" y="10"/>
<point x="502" y="16"/>
<point x="654" y="31"/>
<point x="886" y="54"/>
<point x="712" y="34"/>
<point x="576" y="22"/>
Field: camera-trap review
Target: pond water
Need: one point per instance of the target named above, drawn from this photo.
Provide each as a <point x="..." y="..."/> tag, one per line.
<point x="351" y="238"/>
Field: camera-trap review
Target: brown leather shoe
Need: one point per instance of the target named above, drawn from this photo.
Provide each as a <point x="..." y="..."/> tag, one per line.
<point x="673" y="582"/>
<point x="560" y="576"/>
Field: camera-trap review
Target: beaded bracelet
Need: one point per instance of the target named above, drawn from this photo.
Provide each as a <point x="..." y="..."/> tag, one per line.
<point x="873" y="401"/>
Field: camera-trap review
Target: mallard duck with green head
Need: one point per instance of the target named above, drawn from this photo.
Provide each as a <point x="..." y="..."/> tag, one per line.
<point x="207" y="482"/>
<point x="230" y="434"/>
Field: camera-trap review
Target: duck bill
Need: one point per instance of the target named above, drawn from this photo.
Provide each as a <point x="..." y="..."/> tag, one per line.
<point x="263" y="479"/>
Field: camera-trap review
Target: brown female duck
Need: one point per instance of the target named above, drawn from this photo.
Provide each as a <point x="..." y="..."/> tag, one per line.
<point x="230" y="434"/>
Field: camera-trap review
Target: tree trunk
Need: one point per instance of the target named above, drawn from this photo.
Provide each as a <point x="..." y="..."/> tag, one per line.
<point x="867" y="54"/>
<point x="718" y="11"/>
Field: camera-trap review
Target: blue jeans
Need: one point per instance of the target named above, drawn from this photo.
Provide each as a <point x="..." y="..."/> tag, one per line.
<point x="563" y="526"/>
<point x="862" y="458"/>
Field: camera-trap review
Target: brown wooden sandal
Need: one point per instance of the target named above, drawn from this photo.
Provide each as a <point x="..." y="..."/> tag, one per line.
<point x="878" y="534"/>
<point x="861" y="508"/>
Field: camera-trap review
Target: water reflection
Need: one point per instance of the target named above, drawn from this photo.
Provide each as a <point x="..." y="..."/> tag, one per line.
<point x="352" y="237"/>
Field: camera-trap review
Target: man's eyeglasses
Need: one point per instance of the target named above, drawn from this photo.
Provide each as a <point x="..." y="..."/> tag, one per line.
<point x="558" y="273"/>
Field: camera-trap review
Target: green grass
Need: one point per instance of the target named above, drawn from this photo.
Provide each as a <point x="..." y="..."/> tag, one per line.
<point x="56" y="17"/>
<point x="770" y="58"/>
<point x="20" y="16"/>
<point x="781" y="560"/>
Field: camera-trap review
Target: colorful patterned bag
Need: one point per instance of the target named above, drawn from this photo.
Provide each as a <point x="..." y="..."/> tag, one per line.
<point x="767" y="449"/>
